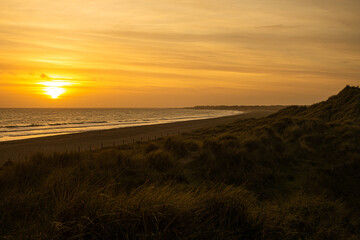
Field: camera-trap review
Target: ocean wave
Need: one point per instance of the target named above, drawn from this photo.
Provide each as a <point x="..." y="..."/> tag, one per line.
<point x="60" y="127"/>
<point x="76" y="123"/>
<point x="63" y="122"/>
<point x="39" y="134"/>
<point x="51" y="124"/>
<point x="24" y="126"/>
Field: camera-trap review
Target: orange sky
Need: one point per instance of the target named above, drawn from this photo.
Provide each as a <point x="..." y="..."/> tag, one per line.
<point x="174" y="53"/>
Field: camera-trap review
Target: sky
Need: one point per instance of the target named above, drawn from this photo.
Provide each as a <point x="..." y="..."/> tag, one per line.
<point x="176" y="53"/>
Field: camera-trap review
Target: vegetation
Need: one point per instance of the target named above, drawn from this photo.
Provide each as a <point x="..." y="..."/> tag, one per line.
<point x="241" y="108"/>
<point x="292" y="175"/>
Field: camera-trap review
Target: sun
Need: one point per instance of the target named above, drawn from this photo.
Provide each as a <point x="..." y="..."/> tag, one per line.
<point x="55" y="88"/>
<point x="54" y="92"/>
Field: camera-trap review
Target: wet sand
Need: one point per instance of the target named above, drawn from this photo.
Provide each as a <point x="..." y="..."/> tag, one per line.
<point x="22" y="149"/>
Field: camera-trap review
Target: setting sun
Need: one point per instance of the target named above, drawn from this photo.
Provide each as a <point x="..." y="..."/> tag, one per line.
<point x="54" y="92"/>
<point x="55" y="88"/>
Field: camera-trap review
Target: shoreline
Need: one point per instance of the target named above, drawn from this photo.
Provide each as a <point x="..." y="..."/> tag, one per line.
<point x="18" y="150"/>
<point x="71" y="128"/>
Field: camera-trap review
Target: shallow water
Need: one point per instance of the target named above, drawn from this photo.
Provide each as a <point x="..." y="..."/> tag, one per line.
<point x="20" y="123"/>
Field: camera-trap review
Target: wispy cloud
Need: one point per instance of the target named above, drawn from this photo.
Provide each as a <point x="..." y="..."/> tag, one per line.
<point x="44" y="76"/>
<point x="168" y="44"/>
<point x="277" y="27"/>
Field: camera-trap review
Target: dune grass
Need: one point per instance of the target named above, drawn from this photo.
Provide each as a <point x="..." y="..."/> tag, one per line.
<point x="287" y="176"/>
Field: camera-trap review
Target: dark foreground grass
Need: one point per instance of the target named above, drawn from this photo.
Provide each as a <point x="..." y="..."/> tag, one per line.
<point x="287" y="176"/>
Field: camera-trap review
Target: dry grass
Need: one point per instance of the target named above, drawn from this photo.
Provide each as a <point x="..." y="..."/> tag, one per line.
<point x="287" y="176"/>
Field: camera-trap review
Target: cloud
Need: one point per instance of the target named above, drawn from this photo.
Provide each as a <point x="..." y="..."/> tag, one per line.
<point x="181" y="44"/>
<point x="44" y="76"/>
<point x="277" y="27"/>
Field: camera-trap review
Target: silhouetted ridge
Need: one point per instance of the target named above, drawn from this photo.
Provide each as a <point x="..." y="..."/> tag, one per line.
<point x="343" y="106"/>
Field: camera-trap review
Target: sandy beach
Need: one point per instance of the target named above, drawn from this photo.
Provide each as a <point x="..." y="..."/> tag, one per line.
<point x="22" y="149"/>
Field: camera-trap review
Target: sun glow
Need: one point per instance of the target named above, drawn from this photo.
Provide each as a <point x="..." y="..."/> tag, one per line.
<point x="55" y="88"/>
<point x="54" y="92"/>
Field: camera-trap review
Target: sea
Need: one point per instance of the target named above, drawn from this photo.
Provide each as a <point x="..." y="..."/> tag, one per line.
<point x="24" y="123"/>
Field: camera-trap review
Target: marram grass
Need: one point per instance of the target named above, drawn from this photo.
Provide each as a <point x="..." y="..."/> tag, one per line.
<point x="292" y="175"/>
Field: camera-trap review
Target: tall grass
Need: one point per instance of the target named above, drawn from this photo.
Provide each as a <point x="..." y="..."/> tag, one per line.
<point x="289" y="176"/>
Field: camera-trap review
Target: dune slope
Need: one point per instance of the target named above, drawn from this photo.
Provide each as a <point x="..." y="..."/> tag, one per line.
<point x="291" y="175"/>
